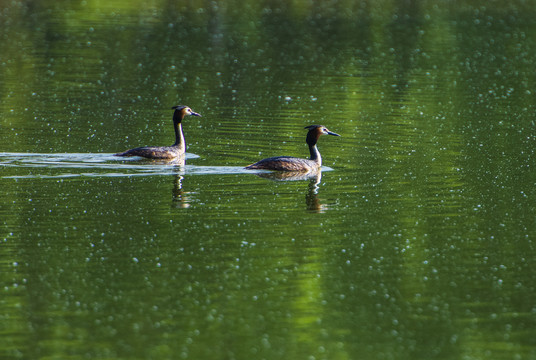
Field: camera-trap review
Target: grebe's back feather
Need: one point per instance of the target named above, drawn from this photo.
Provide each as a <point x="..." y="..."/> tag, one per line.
<point x="285" y="163"/>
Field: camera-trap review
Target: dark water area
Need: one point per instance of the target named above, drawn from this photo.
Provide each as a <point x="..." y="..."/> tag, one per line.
<point x="415" y="241"/>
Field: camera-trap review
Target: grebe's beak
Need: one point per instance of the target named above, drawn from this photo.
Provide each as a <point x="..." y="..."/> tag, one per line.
<point x="195" y="114"/>
<point x="332" y="133"/>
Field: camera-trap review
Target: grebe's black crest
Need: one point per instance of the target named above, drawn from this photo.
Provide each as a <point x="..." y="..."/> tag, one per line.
<point x="288" y="163"/>
<point x="184" y="111"/>
<point x="166" y="152"/>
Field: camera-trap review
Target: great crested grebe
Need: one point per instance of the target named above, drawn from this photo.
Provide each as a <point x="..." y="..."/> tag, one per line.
<point x="289" y="163"/>
<point x="166" y="152"/>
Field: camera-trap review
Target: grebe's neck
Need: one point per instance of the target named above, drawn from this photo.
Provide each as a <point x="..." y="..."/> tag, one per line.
<point x="311" y="140"/>
<point x="179" y="136"/>
<point x="315" y="154"/>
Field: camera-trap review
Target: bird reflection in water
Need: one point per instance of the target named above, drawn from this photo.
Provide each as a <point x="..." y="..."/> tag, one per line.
<point x="312" y="201"/>
<point x="179" y="162"/>
<point x="181" y="199"/>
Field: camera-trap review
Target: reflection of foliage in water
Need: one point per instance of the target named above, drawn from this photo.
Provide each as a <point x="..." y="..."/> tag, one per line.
<point x="425" y="249"/>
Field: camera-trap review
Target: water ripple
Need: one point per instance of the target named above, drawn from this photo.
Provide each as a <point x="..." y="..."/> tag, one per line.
<point x="102" y="165"/>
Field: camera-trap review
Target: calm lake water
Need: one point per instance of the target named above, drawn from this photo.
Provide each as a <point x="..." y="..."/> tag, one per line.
<point x="417" y="240"/>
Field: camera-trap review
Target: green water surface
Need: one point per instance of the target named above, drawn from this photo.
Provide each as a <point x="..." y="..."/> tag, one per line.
<point x="417" y="241"/>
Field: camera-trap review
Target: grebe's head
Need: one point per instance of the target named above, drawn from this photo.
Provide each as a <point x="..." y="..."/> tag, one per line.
<point x="185" y="111"/>
<point x="320" y="130"/>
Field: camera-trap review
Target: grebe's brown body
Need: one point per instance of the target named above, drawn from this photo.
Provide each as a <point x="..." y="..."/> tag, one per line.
<point x="289" y="163"/>
<point x="166" y="152"/>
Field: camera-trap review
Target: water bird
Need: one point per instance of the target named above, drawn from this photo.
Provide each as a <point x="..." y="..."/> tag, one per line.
<point x="289" y="163"/>
<point x="166" y="152"/>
